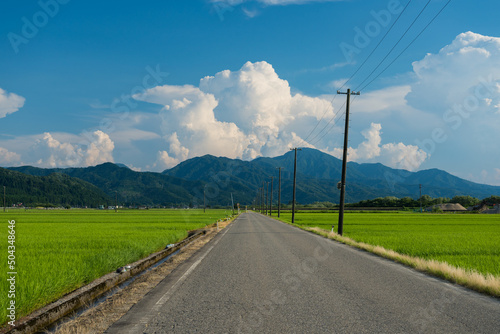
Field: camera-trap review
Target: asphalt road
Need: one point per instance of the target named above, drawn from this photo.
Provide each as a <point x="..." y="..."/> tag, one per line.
<point x="263" y="276"/>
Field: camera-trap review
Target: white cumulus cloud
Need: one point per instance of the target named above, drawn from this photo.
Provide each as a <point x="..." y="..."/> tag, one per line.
<point x="164" y="161"/>
<point x="51" y="152"/>
<point x="8" y="158"/>
<point x="189" y="113"/>
<point x="9" y="103"/>
<point x="99" y="150"/>
<point x="250" y="113"/>
<point x="242" y="114"/>
<point x="396" y="155"/>
<point x="465" y="72"/>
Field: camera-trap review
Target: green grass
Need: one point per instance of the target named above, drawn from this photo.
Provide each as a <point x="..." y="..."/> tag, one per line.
<point x="467" y="241"/>
<point x="59" y="251"/>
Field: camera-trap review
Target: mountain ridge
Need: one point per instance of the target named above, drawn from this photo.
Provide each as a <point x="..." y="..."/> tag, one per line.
<point x="51" y="189"/>
<point x="213" y="180"/>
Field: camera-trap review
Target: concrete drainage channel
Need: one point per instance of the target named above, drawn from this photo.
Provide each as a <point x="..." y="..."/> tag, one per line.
<point x="88" y="294"/>
<point x="53" y="327"/>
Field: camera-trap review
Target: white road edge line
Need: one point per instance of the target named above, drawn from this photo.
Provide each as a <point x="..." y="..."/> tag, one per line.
<point x="154" y="311"/>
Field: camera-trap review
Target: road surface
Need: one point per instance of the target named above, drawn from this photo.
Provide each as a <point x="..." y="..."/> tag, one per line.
<point x="263" y="276"/>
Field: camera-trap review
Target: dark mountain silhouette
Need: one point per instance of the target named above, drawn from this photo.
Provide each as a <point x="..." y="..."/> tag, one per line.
<point x="53" y="189"/>
<point x="219" y="177"/>
<point x="318" y="174"/>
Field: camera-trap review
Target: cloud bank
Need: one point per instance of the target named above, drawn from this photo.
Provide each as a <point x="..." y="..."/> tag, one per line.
<point x="396" y="155"/>
<point x="8" y="158"/>
<point x="250" y="113"/>
<point x="469" y="66"/>
<point x="460" y="86"/>
<point x="242" y="114"/>
<point x="50" y="152"/>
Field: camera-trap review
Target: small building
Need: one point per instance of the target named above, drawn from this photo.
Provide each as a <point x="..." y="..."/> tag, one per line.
<point x="495" y="210"/>
<point x="448" y="207"/>
<point x="479" y="208"/>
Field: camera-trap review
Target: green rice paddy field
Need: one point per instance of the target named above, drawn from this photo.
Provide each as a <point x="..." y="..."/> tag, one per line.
<point x="58" y="251"/>
<point x="469" y="241"/>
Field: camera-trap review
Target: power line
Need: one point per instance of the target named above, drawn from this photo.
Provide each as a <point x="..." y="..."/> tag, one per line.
<point x="330" y="129"/>
<point x="316" y="139"/>
<point x="376" y="47"/>
<point x="331" y="119"/>
<point x="317" y="124"/>
<point x="350" y="78"/>
<point x="406" y="48"/>
<point x="397" y="43"/>
<point x="392" y="62"/>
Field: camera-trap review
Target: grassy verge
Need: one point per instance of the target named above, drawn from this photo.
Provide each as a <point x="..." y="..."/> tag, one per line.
<point x="426" y="248"/>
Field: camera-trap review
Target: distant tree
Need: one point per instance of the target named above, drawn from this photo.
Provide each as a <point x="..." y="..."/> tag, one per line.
<point x="465" y="201"/>
<point x="440" y="200"/>
<point x="426" y="200"/>
<point x="437" y="209"/>
<point x="492" y="200"/>
<point x="408" y="202"/>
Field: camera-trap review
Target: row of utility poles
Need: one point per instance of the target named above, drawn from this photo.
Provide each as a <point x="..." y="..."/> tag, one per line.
<point x="266" y="200"/>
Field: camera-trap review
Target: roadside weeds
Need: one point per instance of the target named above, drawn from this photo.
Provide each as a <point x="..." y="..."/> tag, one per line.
<point x="488" y="284"/>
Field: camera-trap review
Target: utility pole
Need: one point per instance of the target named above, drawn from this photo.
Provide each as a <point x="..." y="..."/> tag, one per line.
<point x="267" y="198"/>
<point x="256" y="201"/>
<point x="232" y="202"/>
<point x="279" y="191"/>
<point x="116" y="201"/>
<point x="204" y="202"/>
<point x="3" y="198"/>
<point x="294" y="182"/>
<point x="420" y="186"/>
<point x="259" y="200"/>
<point x="261" y="190"/>
<point x="344" y="161"/>
<point x="264" y="198"/>
<point x="271" y="199"/>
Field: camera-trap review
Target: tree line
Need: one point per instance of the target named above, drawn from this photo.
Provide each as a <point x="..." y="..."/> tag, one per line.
<point x="407" y="202"/>
<point x="426" y="200"/>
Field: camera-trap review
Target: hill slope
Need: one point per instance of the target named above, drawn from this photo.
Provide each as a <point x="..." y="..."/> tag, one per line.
<point x="56" y="189"/>
<point x="317" y="176"/>
<point x="132" y="188"/>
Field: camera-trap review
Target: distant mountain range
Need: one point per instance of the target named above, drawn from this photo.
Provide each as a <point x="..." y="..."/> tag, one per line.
<point x="318" y="174"/>
<point x="53" y="189"/>
<point x="219" y="177"/>
<point x="131" y="188"/>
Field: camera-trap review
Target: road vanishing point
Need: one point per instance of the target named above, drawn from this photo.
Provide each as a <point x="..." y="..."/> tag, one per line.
<point x="263" y="276"/>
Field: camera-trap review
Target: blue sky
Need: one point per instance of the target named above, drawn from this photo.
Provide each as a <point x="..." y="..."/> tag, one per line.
<point x="151" y="84"/>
